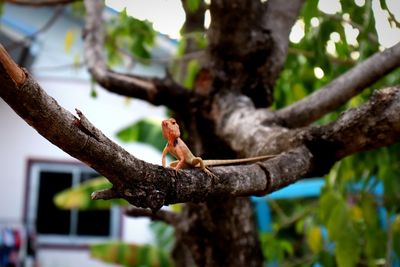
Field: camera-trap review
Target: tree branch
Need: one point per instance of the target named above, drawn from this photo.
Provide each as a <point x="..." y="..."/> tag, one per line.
<point x="40" y="2"/>
<point x="305" y="152"/>
<point x="340" y="90"/>
<point x="156" y="91"/>
<point x="142" y="184"/>
<point x="373" y="125"/>
<point x="252" y="132"/>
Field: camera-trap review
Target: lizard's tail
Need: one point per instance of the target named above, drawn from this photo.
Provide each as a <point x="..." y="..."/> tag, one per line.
<point x="218" y="162"/>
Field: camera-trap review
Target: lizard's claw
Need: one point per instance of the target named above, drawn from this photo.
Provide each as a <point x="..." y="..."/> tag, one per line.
<point x="176" y="171"/>
<point x="210" y="173"/>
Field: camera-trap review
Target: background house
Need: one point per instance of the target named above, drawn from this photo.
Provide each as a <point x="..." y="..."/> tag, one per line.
<point x="32" y="168"/>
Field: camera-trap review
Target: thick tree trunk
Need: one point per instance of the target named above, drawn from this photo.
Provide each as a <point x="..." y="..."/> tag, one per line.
<point x="241" y="49"/>
<point x="221" y="232"/>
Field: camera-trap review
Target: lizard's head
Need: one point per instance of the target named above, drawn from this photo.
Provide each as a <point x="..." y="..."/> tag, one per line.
<point x="170" y="129"/>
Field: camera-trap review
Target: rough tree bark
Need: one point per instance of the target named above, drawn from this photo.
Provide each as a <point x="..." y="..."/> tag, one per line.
<point x="248" y="42"/>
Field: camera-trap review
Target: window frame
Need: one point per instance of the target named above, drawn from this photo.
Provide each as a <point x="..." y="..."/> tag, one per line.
<point x="34" y="168"/>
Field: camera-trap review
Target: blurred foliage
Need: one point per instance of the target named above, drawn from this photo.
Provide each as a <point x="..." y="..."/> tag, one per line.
<point x="192" y="5"/>
<point x="193" y="68"/>
<point x="79" y="197"/>
<point x="119" y="252"/>
<point x="93" y="91"/>
<point x="275" y="249"/>
<point x="131" y="255"/>
<point x="347" y="228"/>
<point x="145" y="131"/>
<point x="77" y="9"/>
<point x="185" y="70"/>
<point x="163" y="236"/>
<point x="326" y="45"/>
<point x="126" y="34"/>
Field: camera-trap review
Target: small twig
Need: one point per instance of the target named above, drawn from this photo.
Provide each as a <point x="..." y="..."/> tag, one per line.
<point x="278" y="209"/>
<point x="105" y="194"/>
<point x="335" y="60"/>
<point x="297" y="216"/>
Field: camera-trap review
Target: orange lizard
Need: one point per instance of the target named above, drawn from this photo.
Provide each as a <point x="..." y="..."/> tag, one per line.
<point x="185" y="158"/>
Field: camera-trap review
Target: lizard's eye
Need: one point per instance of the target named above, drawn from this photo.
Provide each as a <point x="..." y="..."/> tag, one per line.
<point x="173" y="122"/>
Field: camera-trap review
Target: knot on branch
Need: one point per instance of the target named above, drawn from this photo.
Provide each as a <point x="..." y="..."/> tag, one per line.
<point x="153" y="199"/>
<point x="385" y="94"/>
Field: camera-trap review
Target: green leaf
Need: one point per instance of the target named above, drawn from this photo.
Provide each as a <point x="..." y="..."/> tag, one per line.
<point x="146" y="131"/>
<point x="396" y="234"/>
<point x="274" y="248"/>
<point x="342" y="231"/>
<point x="314" y="239"/>
<point x="369" y="208"/>
<point x="192" y="5"/>
<point x="326" y="259"/>
<point x="310" y="10"/>
<point x="93" y="92"/>
<point x="327" y="203"/>
<point x="191" y="73"/>
<point x="139" y="49"/>
<point x="78" y="9"/>
<point x="347" y="253"/>
<point x="125" y="33"/>
<point x="163" y="235"/>
<point x="79" y="197"/>
<point x="337" y="217"/>
<point x="374" y="238"/>
<point x="180" y="50"/>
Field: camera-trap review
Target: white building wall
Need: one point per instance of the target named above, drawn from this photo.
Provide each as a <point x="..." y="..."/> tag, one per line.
<point x="19" y="142"/>
<point x="71" y="88"/>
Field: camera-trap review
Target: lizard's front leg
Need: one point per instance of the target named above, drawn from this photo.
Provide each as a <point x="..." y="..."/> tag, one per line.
<point x="176" y="165"/>
<point x="180" y="164"/>
<point x="164" y="155"/>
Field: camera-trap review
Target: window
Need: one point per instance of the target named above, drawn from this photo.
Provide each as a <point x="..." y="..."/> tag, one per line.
<point x="56" y="226"/>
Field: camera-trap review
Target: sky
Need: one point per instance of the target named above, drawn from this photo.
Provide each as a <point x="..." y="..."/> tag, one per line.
<point x="168" y="16"/>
